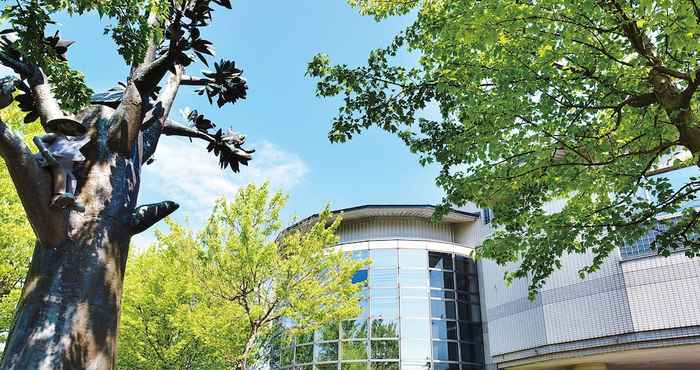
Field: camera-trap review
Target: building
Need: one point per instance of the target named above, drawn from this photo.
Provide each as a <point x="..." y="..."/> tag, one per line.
<point x="429" y="306"/>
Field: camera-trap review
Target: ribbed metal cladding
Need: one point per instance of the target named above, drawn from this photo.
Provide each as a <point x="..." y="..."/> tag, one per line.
<point x="394" y="227"/>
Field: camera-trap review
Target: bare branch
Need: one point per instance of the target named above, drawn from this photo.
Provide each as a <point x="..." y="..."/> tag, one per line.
<point x="195" y="81"/>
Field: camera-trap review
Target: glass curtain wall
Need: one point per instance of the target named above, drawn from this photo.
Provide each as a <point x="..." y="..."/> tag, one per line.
<point x="420" y="311"/>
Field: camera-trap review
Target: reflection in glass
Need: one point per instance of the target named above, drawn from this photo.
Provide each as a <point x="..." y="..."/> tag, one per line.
<point x="472" y="367"/>
<point x="438" y="260"/>
<point x="287" y="356"/>
<point x="304" y="367"/>
<point x="361" y="254"/>
<point x="384" y="258"/>
<point x="385" y="349"/>
<point x="385" y="308"/>
<point x="436" y="293"/>
<point x="442" y="280"/>
<point x="443" y="309"/>
<point x="364" y="306"/>
<point x="353" y="366"/>
<point x="414" y="292"/>
<point x="445" y="366"/>
<point x="415" y="350"/>
<point x="413" y="259"/>
<point x="359" y="276"/>
<point x="470" y="331"/>
<point x="327" y="332"/>
<point x="445" y="351"/>
<point x="471" y="353"/>
<point x="328" y="367"/>
<point x="414" y="307"/>
<point x="444" y="329"/>
<point x="354" y="329"/>
<point x="354" y="350"/>
<point x="304" y="354"/>
<point x="382" y="328"/>
<point x="413" y="278"/>
<point x="385" y="292"/>
<point x="465" y="265"/>
<point x="415" y="328"/>
<point x="305" y="338"/>
<point x="327" y="351"/>
<point x="384" y="365"/>
<point x="383" y="278"/>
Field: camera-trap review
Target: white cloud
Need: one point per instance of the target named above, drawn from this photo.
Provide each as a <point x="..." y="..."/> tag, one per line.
<point x="186" y="173"/>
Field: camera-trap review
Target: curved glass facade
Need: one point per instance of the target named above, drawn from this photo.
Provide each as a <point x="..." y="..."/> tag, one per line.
<point x="421" y="311"/>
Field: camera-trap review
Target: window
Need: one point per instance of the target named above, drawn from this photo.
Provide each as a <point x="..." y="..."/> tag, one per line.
<point x="446" y="294"/>
<point x="442" y="279"/>
<point x="443" y="309"/>
<point x="444" y="329"/>
<point x="470" y="332"/>
<point x="327" y="351"/>
<point x="385" y="293"/>
<point x="465" y="265"/>
<point x="415" y="328"/>
<point x="305" y="338"/>
<point x="413" y="259"/>
<point x="441" y="261"/>
<point x="384" y="258"/>
<point x="355" y="350"/>
<point x="385" y="365"/>
<point x="385" y="349"/>
<point x="385" y="308"/>
<point x="471" y="353"/>
<point x="328" y="332"/>
<point x="382" y="328"/>
<point x="415" y="350"/>
<point x="413" y="278"/>
<point x="304" y="354"/>
<point x="445" y="351"/>
<point x="354" y="329"/>
<point x="487" y="215"/>
<point x="414" y="307"/>
<point x="359" y="276"/>
<point x="353" y="366"/>
<point x="287" y="356"/>
<point x="444" y="366"/>
<point x="417" y="366"/>
<point x="383" y="278"/>
<point x="414" y="292"/>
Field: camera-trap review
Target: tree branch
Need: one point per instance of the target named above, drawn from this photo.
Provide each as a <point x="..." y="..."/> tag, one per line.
<point x="195" y="81"/>
<point x="33" y="186"/>
<point x="155" y="119"/>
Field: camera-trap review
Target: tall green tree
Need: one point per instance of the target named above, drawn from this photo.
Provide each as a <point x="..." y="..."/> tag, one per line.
<point x="16" y="236"/>
<point x="67" y="317"/>
<point x="217" y="299"/>
<point x="538" y="101"/>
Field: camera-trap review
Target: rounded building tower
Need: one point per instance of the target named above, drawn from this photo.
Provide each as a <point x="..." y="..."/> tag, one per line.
<point x="421" y="308"/>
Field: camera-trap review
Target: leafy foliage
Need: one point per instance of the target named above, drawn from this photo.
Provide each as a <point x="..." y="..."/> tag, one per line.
<point x="227" y="146"/>
<point x="16" y="235"/>
<point x="216" y="299"/>
<point x="540" y="102"/>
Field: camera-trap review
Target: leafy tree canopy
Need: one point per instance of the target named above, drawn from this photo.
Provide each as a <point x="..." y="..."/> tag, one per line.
<point x="216" y="299"/>
<point x="577" y="101"/>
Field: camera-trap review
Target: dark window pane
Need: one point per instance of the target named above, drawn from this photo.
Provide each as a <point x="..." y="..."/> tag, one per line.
<point x="440" y="260"/>
<point x="353" y="366"/>
<point x="445" y="351"/>
<point x="444" y="366"/>
<point x="465" y="265"/>
<point x="436" y="293"/>
<point x="470" y="332"/>
<point x="472" y="367"/>
<point x="441" y="279"/>
<point x="475" y="312"/>
<point x="414" y="307"/>
<point x="384" y="258"/>
<point x="353" y="329"/>
<point x="471" y="353"/>
<point x="412" y="259"/>
<point x="359" y="276"/>
<point x="384" y="365"/>
<point x="304" y="354"/>
<point x="463" y="281"/>
<point x="382" y="328"/>
<point x="444" y="329"/>
<point x="385" y="349"/>
<point x="463" y="311"/>
<point x="328" y="332"/>
<point x="355" y="350"/>
<point x="327" y="352"/>
<point x="304" y="367"/>
<point x="443" y="309"/>
<point x="466" y="297"/>
<point x="287" y="356"/>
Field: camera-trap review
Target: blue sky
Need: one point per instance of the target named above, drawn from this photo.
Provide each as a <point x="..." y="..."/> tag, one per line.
<point x="272" y="41"/>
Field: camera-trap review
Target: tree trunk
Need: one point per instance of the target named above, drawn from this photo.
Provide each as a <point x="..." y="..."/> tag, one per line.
<point x="68" y="315"/>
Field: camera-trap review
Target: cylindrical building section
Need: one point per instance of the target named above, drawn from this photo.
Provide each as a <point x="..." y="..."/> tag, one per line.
<point x="421" y="308"/>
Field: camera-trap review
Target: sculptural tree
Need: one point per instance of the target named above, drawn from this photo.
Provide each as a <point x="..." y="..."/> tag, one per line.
<point x="68" y="313"/>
